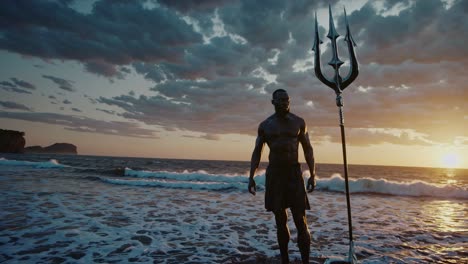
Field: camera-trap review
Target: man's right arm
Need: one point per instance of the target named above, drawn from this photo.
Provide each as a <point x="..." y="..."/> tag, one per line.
<point x="256" y="157"/>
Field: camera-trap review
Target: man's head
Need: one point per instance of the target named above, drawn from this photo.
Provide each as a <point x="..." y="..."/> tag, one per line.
<point x="281" y="102"/>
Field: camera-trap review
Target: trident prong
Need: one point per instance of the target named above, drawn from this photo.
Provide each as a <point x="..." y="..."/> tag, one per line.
<point x="338" y="84"/>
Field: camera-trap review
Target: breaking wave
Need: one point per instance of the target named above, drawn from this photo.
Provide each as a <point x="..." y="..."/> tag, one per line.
<point x="202" y="180"/>
<point x="35" y="164"/>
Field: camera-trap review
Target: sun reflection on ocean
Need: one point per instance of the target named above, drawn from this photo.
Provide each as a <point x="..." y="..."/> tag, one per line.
<point x="450" y="173"/>
<point x="446" y="216"/>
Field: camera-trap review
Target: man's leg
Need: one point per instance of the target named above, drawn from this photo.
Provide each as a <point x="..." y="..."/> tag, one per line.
<point x="303" y="235"/>
<point x="282" y="231"/>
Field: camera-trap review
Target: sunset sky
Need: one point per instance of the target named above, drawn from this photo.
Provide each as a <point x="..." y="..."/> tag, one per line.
<point x="193" y="79"/>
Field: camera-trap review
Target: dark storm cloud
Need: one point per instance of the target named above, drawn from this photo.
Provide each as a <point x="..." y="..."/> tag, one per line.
<point x="103" y="68"/>
<point x="197" y="104"/>
<point x="399" y="95"/>
<point x="221" y="58"/>
<point x="214" y="64"/>
<point x="425" y="32"/>
<point x="84" y="124"/>
<point x="13" y="105"/>
<point x="115" y="33"/>
<point x="195" y="5"/>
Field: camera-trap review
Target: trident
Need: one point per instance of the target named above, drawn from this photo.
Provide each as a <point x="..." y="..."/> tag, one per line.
<point x="338" y="84"/>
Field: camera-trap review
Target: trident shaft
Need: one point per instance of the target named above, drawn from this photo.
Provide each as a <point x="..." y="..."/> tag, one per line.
<point x="338" y="84"/>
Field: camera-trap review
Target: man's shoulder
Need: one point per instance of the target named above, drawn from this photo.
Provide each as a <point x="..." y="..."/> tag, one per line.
<point x="267" y="120"/>
<point x="296" y="118"/>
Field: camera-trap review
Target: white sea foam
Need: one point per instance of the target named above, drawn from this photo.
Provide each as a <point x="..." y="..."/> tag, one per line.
<point x="52" y="221"/>
<point x="39" y="165"/>
<point x="217" y="186"/>
<point x="381" y="186"/>
<point x="187" y="176"/>
<point x="202" y="180"/>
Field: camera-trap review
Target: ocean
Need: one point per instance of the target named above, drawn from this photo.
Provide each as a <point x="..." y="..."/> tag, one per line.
<point x="95" y="209"/>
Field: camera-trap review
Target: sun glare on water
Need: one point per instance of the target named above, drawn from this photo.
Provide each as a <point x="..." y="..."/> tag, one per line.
<point x="451" y="160"/>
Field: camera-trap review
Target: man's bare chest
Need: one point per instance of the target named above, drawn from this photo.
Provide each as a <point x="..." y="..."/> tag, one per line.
<point x="281" y="129"/>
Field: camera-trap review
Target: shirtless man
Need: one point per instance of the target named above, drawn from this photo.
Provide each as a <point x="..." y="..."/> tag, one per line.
<point x="284" y="186"/>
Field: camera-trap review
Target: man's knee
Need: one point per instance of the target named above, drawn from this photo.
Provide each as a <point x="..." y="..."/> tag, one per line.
<point x="281" y="217"/>
<point x="300" y="221"/>
<point x="299" y="217"/>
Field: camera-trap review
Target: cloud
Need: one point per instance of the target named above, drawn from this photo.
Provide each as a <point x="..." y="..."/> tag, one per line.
<point x="214" y="64"/>
<point x="195" y="5"/>
<point x="103" y="68"/>
<point x="106" y="111"/>
<point x="370" y="136"/>
<point x="66" y="101"/>
<point x="114" y="33"/>
<point x="7" y="84"/>
<point x="13" y="105"/>
<point x="84" y="124"/>
<point x="197" y="104"/>
<point x="423" y="32"/>
<point x="11" y="87"/>
<point x="203" y="93"/>
<point x="62" y="83"/>
<point x="91" y="100"/>
<point x="16" y="90"/>
<point x="205" y="136"/>
<point x="211" y="137"/>
<point x="23" y="84"/>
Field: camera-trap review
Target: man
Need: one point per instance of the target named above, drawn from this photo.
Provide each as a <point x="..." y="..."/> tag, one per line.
<point x="284" y="186"/>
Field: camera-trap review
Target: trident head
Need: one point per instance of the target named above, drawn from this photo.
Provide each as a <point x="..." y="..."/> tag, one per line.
<point x="338" y="84"/>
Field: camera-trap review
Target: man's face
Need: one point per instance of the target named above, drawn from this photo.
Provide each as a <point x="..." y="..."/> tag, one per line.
<point x="281" y="103"/>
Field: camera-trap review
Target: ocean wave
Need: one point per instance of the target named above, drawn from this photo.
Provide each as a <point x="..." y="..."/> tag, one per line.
<point x="199" y="180"/>
<point x="202" y="180"/>
<point x="381" y="186"/>
<point x="35" y="164"/>
<point x="198" y="176"/>
<point x="214" y="186"/>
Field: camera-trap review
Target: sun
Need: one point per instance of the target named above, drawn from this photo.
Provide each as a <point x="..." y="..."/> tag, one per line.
<point x="451" y="160"/>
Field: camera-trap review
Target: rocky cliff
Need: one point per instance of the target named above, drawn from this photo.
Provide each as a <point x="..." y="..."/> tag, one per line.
<point x="57" y="148"/>
<point x="12" y="141"/>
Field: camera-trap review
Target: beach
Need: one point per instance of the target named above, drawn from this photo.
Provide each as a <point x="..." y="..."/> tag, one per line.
<point x="77" y="210"/>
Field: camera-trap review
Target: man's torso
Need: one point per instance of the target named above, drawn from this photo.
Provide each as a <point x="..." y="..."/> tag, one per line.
<point x="281" y="136"/>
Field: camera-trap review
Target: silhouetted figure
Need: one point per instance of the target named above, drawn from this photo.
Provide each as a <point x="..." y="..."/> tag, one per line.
<point x="282" y="132"/>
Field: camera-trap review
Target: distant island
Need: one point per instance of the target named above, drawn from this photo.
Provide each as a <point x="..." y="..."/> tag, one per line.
<point x="57" y="148"/>
<point x="12" y="141"/>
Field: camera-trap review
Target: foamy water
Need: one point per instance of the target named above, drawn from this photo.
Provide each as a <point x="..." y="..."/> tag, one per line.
<point x="60" y="214"/>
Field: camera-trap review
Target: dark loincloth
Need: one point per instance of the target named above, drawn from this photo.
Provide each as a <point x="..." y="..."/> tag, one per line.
<point x="285" y="188"/>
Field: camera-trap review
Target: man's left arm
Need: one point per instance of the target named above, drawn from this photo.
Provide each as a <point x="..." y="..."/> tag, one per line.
<point x="308" y="155"/>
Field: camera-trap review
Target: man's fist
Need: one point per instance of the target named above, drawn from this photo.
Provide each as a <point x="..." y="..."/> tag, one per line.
<point x="311" y="183"/>
<point x="252" y="186"/>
